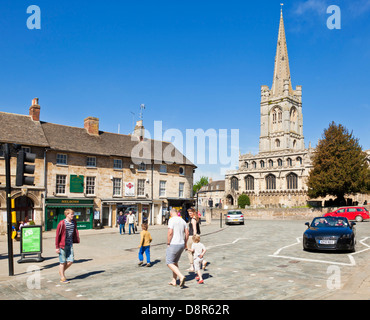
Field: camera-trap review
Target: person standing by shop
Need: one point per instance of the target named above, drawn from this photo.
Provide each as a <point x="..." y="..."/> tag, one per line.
<point x="66" y="235"/>
<point x="131" y="220"/>
<point x="121" y="222"/>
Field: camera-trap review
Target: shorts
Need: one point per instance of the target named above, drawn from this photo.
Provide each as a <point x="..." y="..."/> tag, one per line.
<point x="173" y="253"/>
<point x="66" y="254"/>
<point x="198" y="264"/>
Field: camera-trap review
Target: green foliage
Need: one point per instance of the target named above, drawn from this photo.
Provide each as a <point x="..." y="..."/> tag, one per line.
<point x="199" y="184"/>
<point x="243" y="201"/>
<point x="339" y="165"/>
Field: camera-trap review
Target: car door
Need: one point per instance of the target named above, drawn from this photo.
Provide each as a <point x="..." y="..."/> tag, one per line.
<point x="340" y="213"/>
<point x="351" y="213"/>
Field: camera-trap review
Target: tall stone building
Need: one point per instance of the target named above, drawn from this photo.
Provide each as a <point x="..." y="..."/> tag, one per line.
<point x="277" y="175"/>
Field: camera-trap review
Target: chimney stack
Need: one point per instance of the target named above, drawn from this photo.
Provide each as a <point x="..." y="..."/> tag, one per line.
<point x="35" y="110"/>
<point x="139" y="130"/>
<point x="91" y="125"/>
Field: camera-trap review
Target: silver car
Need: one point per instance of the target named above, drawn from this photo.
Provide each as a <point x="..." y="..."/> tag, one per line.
<point x="234" y="216"/>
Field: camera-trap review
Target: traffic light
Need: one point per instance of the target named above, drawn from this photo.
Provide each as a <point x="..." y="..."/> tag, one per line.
<point x="23" y="168"/>
<point x="210" y="203"/>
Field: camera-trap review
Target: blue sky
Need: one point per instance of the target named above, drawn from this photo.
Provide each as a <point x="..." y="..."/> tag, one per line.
<point x="194" y="64"/>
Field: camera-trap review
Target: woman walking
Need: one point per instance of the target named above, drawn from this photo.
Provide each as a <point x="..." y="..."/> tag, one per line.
<point x="194" y="229"/>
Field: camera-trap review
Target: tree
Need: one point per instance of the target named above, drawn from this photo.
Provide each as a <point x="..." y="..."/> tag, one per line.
<point x="243" y="201"/>
<point x="199" y="184"/>
<point x="339" y="165"/>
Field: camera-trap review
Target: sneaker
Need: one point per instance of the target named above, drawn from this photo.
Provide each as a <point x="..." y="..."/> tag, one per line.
<point x="148" y="264"/>
<point x="140" y="263"/>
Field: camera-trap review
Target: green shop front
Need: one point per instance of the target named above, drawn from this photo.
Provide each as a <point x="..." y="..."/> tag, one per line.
<point x="54" y="212"/>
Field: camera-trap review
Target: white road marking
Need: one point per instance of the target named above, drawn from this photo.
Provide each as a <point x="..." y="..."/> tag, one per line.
<point x="350" y="256"/>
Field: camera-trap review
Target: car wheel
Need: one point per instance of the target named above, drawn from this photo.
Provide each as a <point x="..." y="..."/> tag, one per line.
<point x="359" y="219"/>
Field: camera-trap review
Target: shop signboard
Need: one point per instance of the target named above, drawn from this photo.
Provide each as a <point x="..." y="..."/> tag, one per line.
<point x="31" y="244"/>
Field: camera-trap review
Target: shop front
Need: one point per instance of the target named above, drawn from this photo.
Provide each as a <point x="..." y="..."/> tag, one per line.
<point x="54" y="212"/>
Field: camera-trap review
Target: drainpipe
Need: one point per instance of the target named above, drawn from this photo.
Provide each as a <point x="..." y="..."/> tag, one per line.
<point x="152" y="211"/>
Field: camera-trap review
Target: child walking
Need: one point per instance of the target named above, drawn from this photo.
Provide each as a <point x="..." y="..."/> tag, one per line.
<point x="198" y="250"/>
<point x="144" y="246"/>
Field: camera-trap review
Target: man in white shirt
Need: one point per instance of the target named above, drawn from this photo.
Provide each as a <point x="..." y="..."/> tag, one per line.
<point x="177" y="237"/>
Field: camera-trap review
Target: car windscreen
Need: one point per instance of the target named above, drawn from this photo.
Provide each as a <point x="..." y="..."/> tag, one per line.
<point x="234" y="212"/>
<point x="329" y="222"/>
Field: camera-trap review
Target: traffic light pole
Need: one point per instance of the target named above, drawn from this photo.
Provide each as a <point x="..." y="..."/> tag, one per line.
<point x="8" y="189"/>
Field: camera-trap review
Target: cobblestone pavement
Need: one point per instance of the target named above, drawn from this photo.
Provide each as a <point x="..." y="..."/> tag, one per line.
<point x="261" y="260"/>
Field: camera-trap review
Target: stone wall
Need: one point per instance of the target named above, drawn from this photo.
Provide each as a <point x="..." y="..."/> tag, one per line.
<point x="280" y="213"/>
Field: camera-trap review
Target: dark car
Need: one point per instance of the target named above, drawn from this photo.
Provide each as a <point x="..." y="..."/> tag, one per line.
<point x="330" y="233"/>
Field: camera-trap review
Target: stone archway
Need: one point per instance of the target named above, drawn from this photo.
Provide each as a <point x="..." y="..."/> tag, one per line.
<point x="229" y="200"/>
<point x="24" y="207"/>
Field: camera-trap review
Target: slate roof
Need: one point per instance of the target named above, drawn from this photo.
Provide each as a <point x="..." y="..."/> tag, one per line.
<point x="23" y="130"/>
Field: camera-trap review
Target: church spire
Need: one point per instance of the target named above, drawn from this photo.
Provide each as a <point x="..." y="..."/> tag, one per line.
<point x="281" y="72"/>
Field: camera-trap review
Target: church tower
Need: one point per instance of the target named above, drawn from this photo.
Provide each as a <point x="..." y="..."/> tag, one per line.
<point x="281" y="107"/>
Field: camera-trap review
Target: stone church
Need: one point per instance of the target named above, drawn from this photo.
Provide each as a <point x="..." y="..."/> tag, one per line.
<point x="277" y="175"/>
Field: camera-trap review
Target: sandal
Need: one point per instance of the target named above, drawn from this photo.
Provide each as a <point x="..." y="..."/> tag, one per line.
<point x="64" y="280"/>
<point x="182" y="282"/>
<point x="172" y="284"/>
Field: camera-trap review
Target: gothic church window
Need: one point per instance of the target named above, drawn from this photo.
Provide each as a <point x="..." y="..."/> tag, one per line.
<point x="292" y="181"/>
<point x="277" y="143"/>
<point x="234" y="183"/>
<point x="249" y="183"/>
<point x="270" y="182"/>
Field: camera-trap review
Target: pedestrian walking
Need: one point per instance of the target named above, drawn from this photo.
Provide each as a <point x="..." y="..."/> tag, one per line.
<point x="166" y="217"/>
<point x="131" y="221"/>
<point x="66" y="235"/>
<point x="194" y="228"/>
<point x="177" y="237"/>
<point x="145" y="240"/>
<point x="198" y="249"/>
<point x="121" y="222"/>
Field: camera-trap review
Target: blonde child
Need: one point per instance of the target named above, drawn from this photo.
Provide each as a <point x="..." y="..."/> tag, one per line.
<point x="198" y="250"/>
<point x="145" y="240"/>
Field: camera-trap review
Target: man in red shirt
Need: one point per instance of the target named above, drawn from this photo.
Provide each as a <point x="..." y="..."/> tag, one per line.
<point x="66" y="235"/>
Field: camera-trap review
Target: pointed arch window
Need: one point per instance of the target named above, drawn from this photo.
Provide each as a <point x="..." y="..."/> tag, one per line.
<point x="234" y="183"/>
<point x="292" y="181"/>
<point x="270" y="182"/>
<point x="249" y="183"/>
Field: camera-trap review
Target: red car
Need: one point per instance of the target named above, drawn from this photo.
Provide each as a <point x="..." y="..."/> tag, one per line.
<point x="351" y="213"/>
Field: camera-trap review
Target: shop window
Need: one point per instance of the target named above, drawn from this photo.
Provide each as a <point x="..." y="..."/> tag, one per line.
<point x="90" y="185"/>
<point x="117" y="186"/>
<point x="61" y="159"/>
<point x="141" y="188"/>
<point x="91" y="162"/>
<point x="117" y="164"/>
<point x="60" y="184"/>
<point x="142" y="167"/>
<point x="162" y="188"/>
<point x="181" y="189"/>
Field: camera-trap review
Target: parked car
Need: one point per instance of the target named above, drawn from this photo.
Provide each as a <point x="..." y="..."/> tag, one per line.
<point x="351" y="213"/>
<point x="330" y="233"/>
<point x="234" y="216"/>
